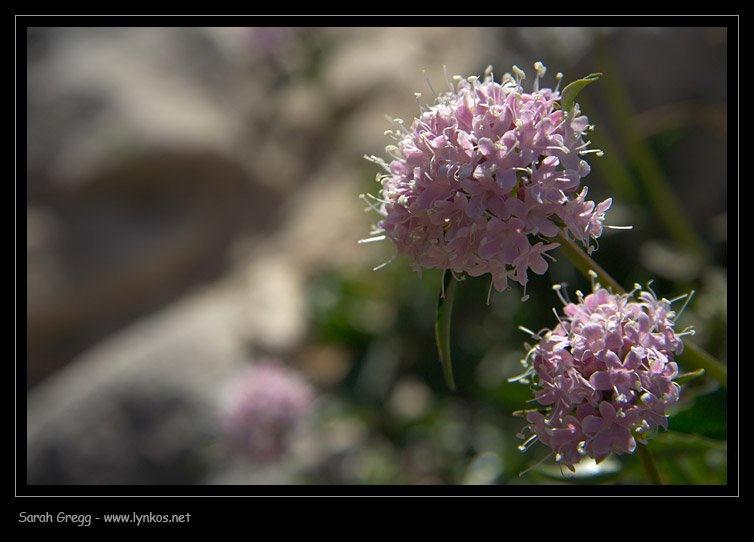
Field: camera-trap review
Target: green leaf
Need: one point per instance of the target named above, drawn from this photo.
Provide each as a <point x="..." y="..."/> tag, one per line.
<point x="568" y="96"/>
<point x="442" y="326"/>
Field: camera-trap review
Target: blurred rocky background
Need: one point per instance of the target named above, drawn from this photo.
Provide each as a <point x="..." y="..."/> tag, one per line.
<point x="192" y="208"/>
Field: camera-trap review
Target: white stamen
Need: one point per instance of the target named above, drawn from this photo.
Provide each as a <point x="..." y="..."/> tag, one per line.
<point x="523" y="376"/>
<point x="593" y="275"/>
<point x="536" y="465"/>
<point x="541" y="69"/>
<point x="526" y="445"/>
<point x="418" y="96"/>
<point x="559" y="77"/>
<point x="688" y="299"/>
<point x="398" y="123"/>
<point x="391" y="260"/>
<point x="489" y="292"/>
<point x="372" y="239"/>
<point x="520" y="75"/>
<point x="558" y="291"/>
<point x="447" y="81"/>
<point x="457" y="277"/>
<point x="426" y="77"/>
<point x="379" y="161"/>
<point x="394" y="151"/>
<point x="529" y="331"/>
<point x="368" y="195"/>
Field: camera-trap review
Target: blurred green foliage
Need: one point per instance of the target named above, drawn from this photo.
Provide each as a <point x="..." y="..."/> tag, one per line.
<point x="415" y="430"/>
<point x="386" y="320"/>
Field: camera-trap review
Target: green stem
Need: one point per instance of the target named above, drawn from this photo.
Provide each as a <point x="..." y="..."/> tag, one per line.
<point x="692" y="354"/>
<point x="655" y="183"/>
<point x="442" y="326"/>
<point x="648" y="464"/>
<point x="584" y="263"/>
<point x="701" y="359"/>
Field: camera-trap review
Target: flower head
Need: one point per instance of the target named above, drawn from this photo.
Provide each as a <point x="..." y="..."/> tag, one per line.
<point x="605" y="375"/>
<point x="262" y="409"/>
<point x="484" y="176"/>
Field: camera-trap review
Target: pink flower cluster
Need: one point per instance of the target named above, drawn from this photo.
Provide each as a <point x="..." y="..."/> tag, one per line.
<point x="605" y="374"/>
<point x="484" y="177"/>
<point x="263" y="408"/>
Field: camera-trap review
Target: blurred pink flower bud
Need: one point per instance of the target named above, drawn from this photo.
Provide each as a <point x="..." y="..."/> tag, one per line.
<point x="263" y="407"/>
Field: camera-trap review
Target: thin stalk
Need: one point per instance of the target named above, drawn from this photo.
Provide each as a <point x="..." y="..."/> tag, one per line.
<point x="701" y="359"/>
<point x="648" y="464"/>
<point x="584" y="263"/>
<point x="655" y="183"/>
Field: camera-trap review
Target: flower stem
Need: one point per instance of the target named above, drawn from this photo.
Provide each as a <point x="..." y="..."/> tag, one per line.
<point x="585" y="263"/>
<point x="696" y="357"/>
<point x="692" y="354"/>
<point x="657" y="188"/>
<point x="648" y="464"/>
<point x="442" y="326"/>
